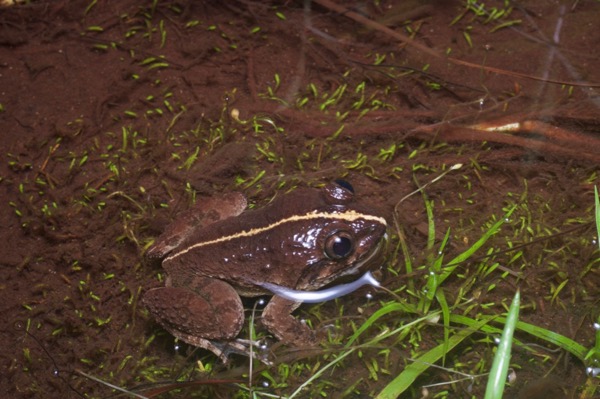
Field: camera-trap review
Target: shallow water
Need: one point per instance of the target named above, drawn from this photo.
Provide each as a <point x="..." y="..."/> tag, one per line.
<point x="116" y="116"/>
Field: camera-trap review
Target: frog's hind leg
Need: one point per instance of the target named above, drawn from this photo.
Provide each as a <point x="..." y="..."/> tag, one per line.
<point x="209" y="309"/>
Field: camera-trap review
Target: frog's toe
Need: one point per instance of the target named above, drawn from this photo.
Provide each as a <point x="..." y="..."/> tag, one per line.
<point x="244" y="347"/>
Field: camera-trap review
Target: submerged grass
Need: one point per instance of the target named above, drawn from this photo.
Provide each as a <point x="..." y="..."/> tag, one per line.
<point x="432" y="293"/>
<point x="499" y="368"/>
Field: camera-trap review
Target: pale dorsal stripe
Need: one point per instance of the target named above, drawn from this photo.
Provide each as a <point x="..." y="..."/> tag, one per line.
<point x="349" y="216"/>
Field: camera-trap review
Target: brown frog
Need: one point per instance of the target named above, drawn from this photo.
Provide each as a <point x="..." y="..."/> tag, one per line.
<point x="303" y="240"/>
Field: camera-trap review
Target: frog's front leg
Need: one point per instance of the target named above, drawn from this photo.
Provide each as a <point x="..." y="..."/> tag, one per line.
<point x="278" y="319"/>
<point x="203" y="311"/>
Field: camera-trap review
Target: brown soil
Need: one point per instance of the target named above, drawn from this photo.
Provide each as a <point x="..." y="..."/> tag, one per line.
<point x="115" y="114"/>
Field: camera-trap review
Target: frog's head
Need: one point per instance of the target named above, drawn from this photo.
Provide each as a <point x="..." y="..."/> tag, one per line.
<point x="344" y="238"/>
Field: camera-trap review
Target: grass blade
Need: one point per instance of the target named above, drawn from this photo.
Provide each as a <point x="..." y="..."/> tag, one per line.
<point x="597" y="200"/>
<point x="550" y="337"/>
<point x="449" y="268"/>
<point x="499" y="371"/>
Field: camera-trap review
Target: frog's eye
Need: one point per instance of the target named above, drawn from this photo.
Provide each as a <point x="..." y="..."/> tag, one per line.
<point x="339" y="245"/>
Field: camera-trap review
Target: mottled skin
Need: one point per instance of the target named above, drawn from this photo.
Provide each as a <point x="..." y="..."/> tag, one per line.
<point x="303" y="240"/>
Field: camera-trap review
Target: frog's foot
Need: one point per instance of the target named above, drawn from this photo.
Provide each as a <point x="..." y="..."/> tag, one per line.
<point x="245" y="347"/>
<point x="220" y="349"/>
<point x="223" y="349"/>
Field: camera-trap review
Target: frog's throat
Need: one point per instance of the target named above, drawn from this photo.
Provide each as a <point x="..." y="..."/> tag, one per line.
<point x="349" y="216"/>
<point x="322" y="295"/>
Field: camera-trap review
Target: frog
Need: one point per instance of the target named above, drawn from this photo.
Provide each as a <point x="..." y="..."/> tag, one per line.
<point x="218" y="252"/>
